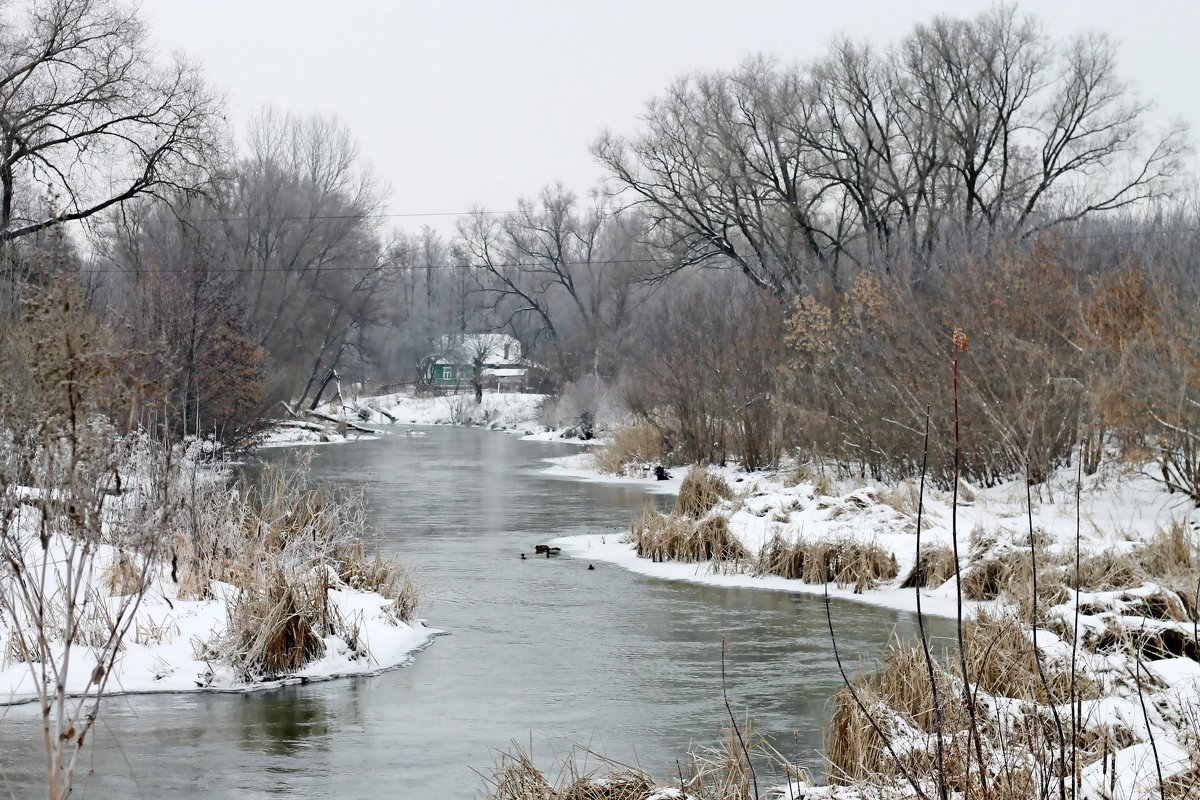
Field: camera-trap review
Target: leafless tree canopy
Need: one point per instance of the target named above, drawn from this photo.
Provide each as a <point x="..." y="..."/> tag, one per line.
<point x="88" y="119"/>
<point x="563" y="269"/>
<point x="968" y="129"/>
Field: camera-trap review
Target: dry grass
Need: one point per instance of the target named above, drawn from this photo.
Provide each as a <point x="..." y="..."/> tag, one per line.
<point x="1008" y="574"/>
<point x="95" y="626"/>
<point x="1187" y="785"/>
<point x="636" y="444"/>
<point x="1004" y="571"/>
<point x="375" y="574"/>
<point x="903" y="497"/>
<point x="1000" y="659"/>
<point x="935" y="567"/>
<point x="821" y="478"/>
<point x="719" y="772"/>
<point x="671" y="537"/>
<point x="1105" y="571"/>
<point x="277" y="629"/>
<point x="700" y="492"/>
<point x="1172" y="559"/>
<point x="898" y="696"/>
<point x="842" y="561"/>
<point x="516" y="777"/>
<point x="1169" y="552"/>
<point x="124" y="576"/>
<point x="284" y="544"/>
<point x="408" y="598"/>
<point x="1159" y="604"/>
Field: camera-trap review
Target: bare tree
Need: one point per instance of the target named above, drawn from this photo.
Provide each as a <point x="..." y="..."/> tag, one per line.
<point x="83" y="505"/>
<point x="299" y="219"/>
<point x="567" y="267"/>
<point x="88" y="117"/>
<point x="169" y="276"/>
<point x="968" y="130"/>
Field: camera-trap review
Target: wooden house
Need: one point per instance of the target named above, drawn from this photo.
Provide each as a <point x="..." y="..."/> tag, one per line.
<point x="452" y="364"/>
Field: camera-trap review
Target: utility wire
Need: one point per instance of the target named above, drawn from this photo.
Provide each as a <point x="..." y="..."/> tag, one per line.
<point x="376" y="215"/>
<point x="315" y="270"/>
<point x="552" y="265"/>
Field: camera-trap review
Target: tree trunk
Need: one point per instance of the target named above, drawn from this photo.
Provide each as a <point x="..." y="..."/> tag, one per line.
<point x="477" y="378"/>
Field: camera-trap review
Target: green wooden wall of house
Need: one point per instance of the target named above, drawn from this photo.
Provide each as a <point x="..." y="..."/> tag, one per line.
<point x="442" y="374"/>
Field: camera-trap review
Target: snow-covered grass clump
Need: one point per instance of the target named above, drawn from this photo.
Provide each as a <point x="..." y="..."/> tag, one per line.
<point x="1098" y="670"/>
<point x="216" y="587"/>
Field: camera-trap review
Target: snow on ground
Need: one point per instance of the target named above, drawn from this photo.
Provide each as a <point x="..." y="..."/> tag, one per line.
<point x="178" y="637"/>
<point x="1117" y="510"/>
<point x="522" y="414"/>
<point x="168" y="637"/>
<point x="581" y="466"/>
<point x="283" y="435"/>
<point x="511" y="411"/>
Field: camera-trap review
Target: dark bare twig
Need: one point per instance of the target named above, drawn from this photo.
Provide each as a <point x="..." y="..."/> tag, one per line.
<point x="1037" y="654"/>
<point x="862" y="706"/>
<point x="943" y="789"/>
<point x="1196" y="612"/>
<point x="736" y="730"/>
<point x="959" y="344"/>
<point x="1137" y="666"/>
<point x="1075" y="626"/>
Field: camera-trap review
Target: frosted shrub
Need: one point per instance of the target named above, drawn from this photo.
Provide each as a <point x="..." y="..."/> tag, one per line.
<point x="284" y="544"/>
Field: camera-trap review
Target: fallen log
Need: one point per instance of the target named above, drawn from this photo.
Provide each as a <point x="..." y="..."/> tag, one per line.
<point x="354" y="426"/>
<point x="298" y="423"/>
<point x="300" y="415"/>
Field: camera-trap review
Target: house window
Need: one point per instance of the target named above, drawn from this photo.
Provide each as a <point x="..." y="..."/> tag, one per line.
<point x="447" y="373"/>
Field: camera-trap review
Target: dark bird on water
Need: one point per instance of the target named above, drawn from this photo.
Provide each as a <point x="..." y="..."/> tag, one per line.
<point x="522" y="556"/>
<point x="590" y="566"/>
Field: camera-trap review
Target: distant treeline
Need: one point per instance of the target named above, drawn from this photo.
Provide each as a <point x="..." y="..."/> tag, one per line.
<point x="774" y="264"/>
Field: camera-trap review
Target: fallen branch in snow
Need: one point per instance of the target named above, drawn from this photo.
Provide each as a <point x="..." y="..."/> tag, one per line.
<point x="304" y="414"/>
<point x="354" y="426"/>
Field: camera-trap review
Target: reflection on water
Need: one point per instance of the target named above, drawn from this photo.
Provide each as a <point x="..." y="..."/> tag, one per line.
<point x="283" y="724"/>
<point x="540" y="652"/>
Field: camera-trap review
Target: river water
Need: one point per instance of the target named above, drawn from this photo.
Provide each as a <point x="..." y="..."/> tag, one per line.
<point x="542" y="652"/>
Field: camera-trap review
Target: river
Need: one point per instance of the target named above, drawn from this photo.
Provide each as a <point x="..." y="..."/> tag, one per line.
<point x="541" y="652"/>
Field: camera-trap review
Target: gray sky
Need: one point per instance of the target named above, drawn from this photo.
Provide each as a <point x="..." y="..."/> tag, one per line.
<point x="465" y="103"/>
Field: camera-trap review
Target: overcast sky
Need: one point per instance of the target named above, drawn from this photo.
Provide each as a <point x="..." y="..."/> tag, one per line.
<point x="459" y="104"/>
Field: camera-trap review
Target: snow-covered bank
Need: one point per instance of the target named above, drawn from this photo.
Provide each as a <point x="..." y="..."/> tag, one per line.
<point x="1118" y="511"/>
<point x="581" y="467"/>
<point x="169" y="580"/>
<point x="612" y="550"/>
<point x="521" y="414"/>
<point x="509" y="411"/>
<point x="1123" y="639"/>
<point x="169" y="646"/>
<point x="282" y="434"/>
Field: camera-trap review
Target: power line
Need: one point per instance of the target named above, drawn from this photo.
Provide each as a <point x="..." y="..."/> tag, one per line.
<point x="484" y="212"/>
<point x="315" y="270"/>
<point x="546" y="266"/>
<point x="377" y="215"/>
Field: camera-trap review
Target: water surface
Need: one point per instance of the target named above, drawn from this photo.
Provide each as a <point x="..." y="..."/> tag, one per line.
<point x="542" y="652"/>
